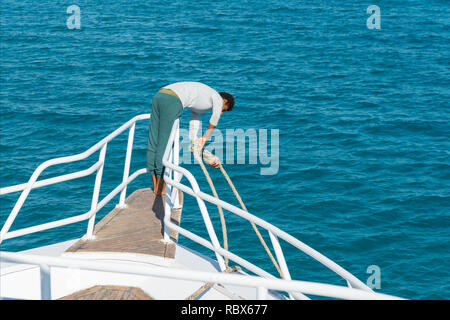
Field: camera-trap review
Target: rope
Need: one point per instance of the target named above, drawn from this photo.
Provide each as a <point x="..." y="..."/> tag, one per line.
<point x="252" y="223"/>
<point x="210" y="157"/>
<point x="208" y="285"/>
<point x="222" y="218"/>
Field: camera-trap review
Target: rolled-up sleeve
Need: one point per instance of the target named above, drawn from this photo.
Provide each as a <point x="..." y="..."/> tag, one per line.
<point x="194" y="125"/>
<point x="217" y="103"/>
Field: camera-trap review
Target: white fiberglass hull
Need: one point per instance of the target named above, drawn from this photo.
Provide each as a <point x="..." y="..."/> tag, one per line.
<point x="23" y="281"/>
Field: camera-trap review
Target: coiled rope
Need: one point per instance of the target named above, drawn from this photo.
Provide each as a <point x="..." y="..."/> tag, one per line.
<point x="210" y="158"/>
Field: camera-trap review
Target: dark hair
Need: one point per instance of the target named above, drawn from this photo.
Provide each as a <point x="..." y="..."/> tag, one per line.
<point x="229" y="98"/>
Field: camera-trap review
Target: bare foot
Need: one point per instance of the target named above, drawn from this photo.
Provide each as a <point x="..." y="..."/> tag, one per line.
<point x="154" y="183"/>
<point x="160" y="187"/>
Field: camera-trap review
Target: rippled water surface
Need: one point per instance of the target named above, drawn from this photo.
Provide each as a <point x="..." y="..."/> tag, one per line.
<point x="363" y="119"/>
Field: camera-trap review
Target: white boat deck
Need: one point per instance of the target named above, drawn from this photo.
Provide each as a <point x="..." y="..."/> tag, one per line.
<point x="131" y="235"/>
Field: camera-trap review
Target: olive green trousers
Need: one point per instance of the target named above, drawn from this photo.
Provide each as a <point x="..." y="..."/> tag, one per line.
<point x="165" y="110"/>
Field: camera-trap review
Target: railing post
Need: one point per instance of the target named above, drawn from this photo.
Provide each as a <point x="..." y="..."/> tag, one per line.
<point x="46" y="289"/>
<point x="98" y="182"/>
<point x="283" y="265"/>
<point x="261" y="293"/>
<point x="12" y="216"/>
<point x="167" y="200"/>
<point x="126" y="170"/>
<point x="176" y="161"/>
<point x="280" y="256"/>
<point x="211" y="232"/>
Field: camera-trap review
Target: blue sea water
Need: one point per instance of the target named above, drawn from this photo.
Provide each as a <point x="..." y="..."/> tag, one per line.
<point x="363" y="119"/>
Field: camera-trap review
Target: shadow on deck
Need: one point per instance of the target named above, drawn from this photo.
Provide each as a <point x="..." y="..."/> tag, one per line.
<point x="138" y="228"/>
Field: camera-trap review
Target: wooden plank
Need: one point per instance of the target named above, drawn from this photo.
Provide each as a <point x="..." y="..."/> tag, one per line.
<point x="138" y="228"/>
<point x="109" y="293"/>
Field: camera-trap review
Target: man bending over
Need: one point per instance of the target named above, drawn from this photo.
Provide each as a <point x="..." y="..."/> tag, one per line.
<point x="167" y="106"/>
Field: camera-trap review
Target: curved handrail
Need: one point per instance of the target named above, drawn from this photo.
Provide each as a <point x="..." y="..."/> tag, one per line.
<point x="201" y="196"/>
<point x="33" y="179"/>
<point x="46" y="182"/>
<point x="263" y="284"/>
<point x="78" y="218"/>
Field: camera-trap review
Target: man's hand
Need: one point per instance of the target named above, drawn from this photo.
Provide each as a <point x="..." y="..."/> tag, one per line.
<point x="211" y="159"/>
<point x="201" y="142"/>
<point x="197" y="148"/>
<point x="215" y="163"/>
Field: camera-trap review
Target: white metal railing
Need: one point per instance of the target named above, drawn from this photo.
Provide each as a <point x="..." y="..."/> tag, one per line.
<point x="97" y="167"/>
<point x="262" y="285"/>
<point x="172" y="176"/>
<point x="171" y="165"/>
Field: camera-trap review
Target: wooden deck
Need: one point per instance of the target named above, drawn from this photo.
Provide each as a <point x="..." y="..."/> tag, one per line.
<point x="109" y="293"/>
<point x="139" y="228"/>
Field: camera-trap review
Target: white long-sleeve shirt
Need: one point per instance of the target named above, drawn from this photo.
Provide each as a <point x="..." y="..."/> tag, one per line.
<point x="199" y="98"/>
